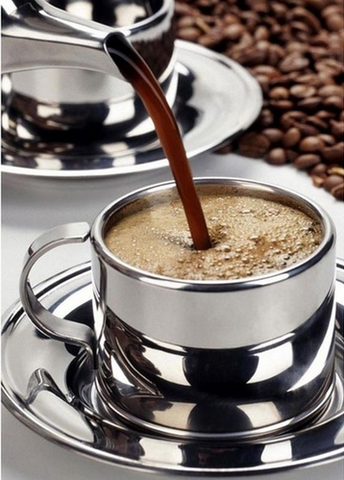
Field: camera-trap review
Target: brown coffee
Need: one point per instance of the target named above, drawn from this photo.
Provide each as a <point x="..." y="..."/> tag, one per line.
<point x="251" y="236"/>
<point x="138" y="74"/>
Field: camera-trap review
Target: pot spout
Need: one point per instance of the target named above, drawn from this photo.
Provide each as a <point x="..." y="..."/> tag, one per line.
<point x="37" y="35"/>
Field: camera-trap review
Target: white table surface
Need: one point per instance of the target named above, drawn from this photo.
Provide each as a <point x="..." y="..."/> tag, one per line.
<point x="30" y="206"/>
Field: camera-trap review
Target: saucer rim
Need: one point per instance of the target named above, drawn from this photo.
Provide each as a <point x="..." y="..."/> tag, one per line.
<point x="192" y="151"/>
<point x="15" y="315"/>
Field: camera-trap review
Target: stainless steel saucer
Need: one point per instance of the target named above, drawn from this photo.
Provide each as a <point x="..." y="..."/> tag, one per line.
<point x="50" y="388"/>
<point x="216" y="99"/>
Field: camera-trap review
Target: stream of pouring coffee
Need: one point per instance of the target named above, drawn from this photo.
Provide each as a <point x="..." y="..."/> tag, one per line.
<point x="138" y="74"/>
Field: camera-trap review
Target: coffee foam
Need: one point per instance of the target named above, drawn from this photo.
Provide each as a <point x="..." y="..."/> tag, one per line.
<point x="253" y="233"/>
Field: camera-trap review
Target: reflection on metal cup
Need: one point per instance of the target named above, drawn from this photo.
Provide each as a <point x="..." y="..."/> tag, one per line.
<point x="221" y="359"/>
<point x="232" y="359"/>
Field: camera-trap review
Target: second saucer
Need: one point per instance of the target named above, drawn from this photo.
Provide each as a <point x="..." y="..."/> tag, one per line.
<point x="209" y="109"/>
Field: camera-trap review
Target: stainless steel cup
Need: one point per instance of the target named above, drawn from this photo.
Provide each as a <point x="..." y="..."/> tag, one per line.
<point x="71" y="111"/>
<point x="232" y="359"/>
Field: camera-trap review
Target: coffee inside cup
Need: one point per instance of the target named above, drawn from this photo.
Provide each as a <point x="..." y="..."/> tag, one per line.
<point x="252" y="233"/>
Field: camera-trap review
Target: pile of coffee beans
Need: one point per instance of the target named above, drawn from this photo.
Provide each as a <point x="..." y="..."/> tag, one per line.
<point x="294" y="48"/>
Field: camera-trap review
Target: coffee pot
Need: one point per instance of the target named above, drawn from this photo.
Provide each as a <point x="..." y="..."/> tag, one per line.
<point x="65" y="103"/>
<point x="36" y="34"/>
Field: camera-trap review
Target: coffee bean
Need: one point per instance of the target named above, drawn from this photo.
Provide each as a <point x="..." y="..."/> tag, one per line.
<point x="318" y="174"/>
<point x="306" y="17"/>
<point x="263" y="82"/>
<point x="334" y="23"/>
<point x="274" y="135"/>
<point x="290" y="119"/>
<point x="291" y="154"/>
<point x="337" y="128"/>
<point x="329" y="140"/>
<point x="317" y="180"/>
<point x="334" y="102"/>
<point x="311" y="144"/>
<point x="233" y="31"/>
<point x="308" y="130"/>
<point x="253" y="145"/>
<point x="186" y="22"/>
<point x="253" y="56"/>
<point x="269" y="71"/>
<point x="317" y="123"/>
<point x="211" y="39"/>
<point x="191" y="34"/>
<point x="300" y="30"/>
<point x="184" y="9"/>
<point x="293" y="62"/>
<point x="325" y="114"/>
<point x="332" y="181"/>
<point x="277" y="156"/>
<point x="309" y="104"/>
<point x="292" y="137"/>
<point x="275" y="54"/>
<point x="338" y="191"/>
<point x="327" y="78"/>
<point x="206" y="3"/>
<point x="329" y="67"/>
<point x="310" y="79"/>
<point x="266" y="118"/>
<point x="261" y="33"/>
<point x="316" y="4"/>
<point x="279" y="93"/>
<point x="330" y="91"/>
<point x="260" y="6"/>
<point x="294" y="48"/>
<point x="318" y="52"/>
<point x="284" y="80"/>
<point x="307" y="160"/>
<point x="279" y="10"/>
<point x="284" y="105"/>
<point x="336" y="170"/>
<point x="332" y="10"/>
<point x="320" y="170"/>
<point x="302" y="91"/>
<point x="333" y="154"/>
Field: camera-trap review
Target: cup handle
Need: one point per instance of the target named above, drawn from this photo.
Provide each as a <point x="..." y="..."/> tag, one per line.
<point x="47" y="323"/>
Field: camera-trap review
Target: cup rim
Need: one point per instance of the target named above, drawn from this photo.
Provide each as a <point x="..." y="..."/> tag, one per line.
<point x="97" y="240"/>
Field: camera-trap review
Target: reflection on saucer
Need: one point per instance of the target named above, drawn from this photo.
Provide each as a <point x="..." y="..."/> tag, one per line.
<point x="215" y="99"/>
<point x="54" y="394"/>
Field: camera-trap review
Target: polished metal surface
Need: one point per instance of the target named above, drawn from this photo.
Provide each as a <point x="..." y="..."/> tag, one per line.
<point x="37" y="35"/>
<point x="184" y="304"/>
<point x="226" y="394"/>
<point x="255" y="348"/>
<point x="49" y="386"/>
<point x="47" y="323"/>
<point x="41" y="138"/>
<point x="63" y="95"/>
